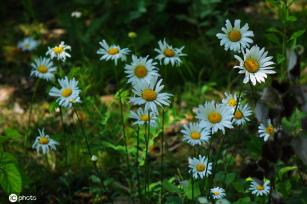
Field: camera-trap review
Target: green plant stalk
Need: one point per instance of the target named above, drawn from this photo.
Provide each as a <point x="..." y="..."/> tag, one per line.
<point x="162" y="158"/>
<point x="137" y="163"/>
<point x="64" y="129"/>
<point x="207" y="180"/>
<point x="125" y="141"/>
<point x="147" y="159"/>
<point x="145" y="162"/>
<point x="87" y="144"/>
<point x="30" y="111"/>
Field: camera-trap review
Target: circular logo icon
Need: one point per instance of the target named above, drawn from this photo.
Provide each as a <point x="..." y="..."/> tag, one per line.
<point x="13" y="198"/>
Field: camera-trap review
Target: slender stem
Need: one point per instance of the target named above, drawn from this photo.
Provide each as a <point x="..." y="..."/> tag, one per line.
<point x="208" y="157"/>
<point x="137" y="163"/>
<point x="162" y="157"/>
<point x="89" y="151"/>
<point x="148" y="136"/>
<point x="145" y="165"/>
<point x="64" y="129"/>
<point x="193" y="199"/>
<point x="31" y="107"/>
<point x="125" y="139"/>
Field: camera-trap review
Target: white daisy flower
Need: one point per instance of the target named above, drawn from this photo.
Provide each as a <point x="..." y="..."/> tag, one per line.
<point x="240" y="116"/>
<point x="168" y="54"/>
<point x="141" y="70"/>
<point x="67" y="94"/>
<point x="215" y="116"/>
<point x="200" y="168"/>
<point x="43" y="68"/>
<point x="256" y="65"/>
<point x="150" y="95"/>
<point x="234" y="37"/>
<point x="141" y="117"/>
<point x="44" y="143"/>
<point x="28" y="44"/>
<point x="230" y="100"/>
<point x="112" y="52"/>
<point x="266" y="130"/>
<point x="217" y="193"/>
<point x="194" y="134"/>
<point x="59" y="52"/>
<point x="260" y="189"/>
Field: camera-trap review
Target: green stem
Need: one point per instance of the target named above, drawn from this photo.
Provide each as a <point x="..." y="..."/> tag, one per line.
<point x="30" y="111"/>
<point x="125" y="140"/>
<point x="193" y="199"/>
<point x="64" y="129"/>
<point x="137" y="163"/>
<point x="208" y="157"/>
<point x="145" y="165"/>
<point x="162" y="157"/>
<point x="148" y="167"/>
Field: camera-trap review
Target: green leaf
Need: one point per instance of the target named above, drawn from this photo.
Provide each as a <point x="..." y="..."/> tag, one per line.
<point x="187" y="188"/>
<point x="170" y="187"/>
<point x="230" y="178"/>
<point x="12" y="133"/>
<point x="10" y="178"/>
<point x="286" y="169"/>
<point x="297" y="34"/>
<point x="245" y="200"/>
<point x="291" y="18"/>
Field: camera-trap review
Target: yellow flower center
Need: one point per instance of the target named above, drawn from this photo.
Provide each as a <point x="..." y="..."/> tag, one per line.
<point x="200" y="167"/>
<point x="215" y="117"/>
<point x="149" y="95"/>
<point x="232" y="102"/>
<point x="66" y="92"/>
<point x="234" y="35"/>
<point x="195" y="135"/>
<point x="251" y="65"/>
<point x="58" y="49"/>
<point x="144" y="117"/>
<point x="113" y="51"/>
<point x="260" y="188"/>
<point x="43" y="140"/>
<point x="42" y="69"/>
<point x="26" y="45"/>
<point x="140" y="71"/>
<point x="238" y="115"/>
<point x="216" y="193"/>
<point x="270" y="130"/>
<point x="169" y="52"/>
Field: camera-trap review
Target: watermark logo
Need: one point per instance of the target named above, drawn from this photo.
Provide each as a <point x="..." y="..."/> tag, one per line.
<point x="13" y="198"/>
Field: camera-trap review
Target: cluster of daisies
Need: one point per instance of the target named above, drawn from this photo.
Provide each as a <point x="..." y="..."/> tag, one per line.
<point x="143" y="75"/>
<point x="213" y="117"/>
<point x="67" y="94"/>
<point x="255" y="62"/>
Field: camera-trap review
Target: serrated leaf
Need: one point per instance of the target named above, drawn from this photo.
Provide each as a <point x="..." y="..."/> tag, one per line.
<point x="10" y="177"/>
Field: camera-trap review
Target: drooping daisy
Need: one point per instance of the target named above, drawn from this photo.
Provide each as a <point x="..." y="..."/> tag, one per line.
<point x="141" y="117"/>
<point x="167" y="54"/>
<point x="240" y="116"/>
<point x="215" y="116"/>
<point x="141" y="70"/>
<point x="43" y="68"/>
<point x="230" y="100"/>
<point x="234" y="37"/>
<point x="255" y="64"/>
<point x="68" y="93"/>
<point x="266" y="130"/>
<point x="150" y="95"/>
<point x="217" y="192"/>
<point x="260" y="188"/>
<point x="76" y="14"/>
<point x="112" y="52"/>
<point x="28" y="44"/>
<point x="59" y="52"/>
<point x="200" y="167"/>
<point x="43" y="142"/>
<point x="194" y="134"/>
